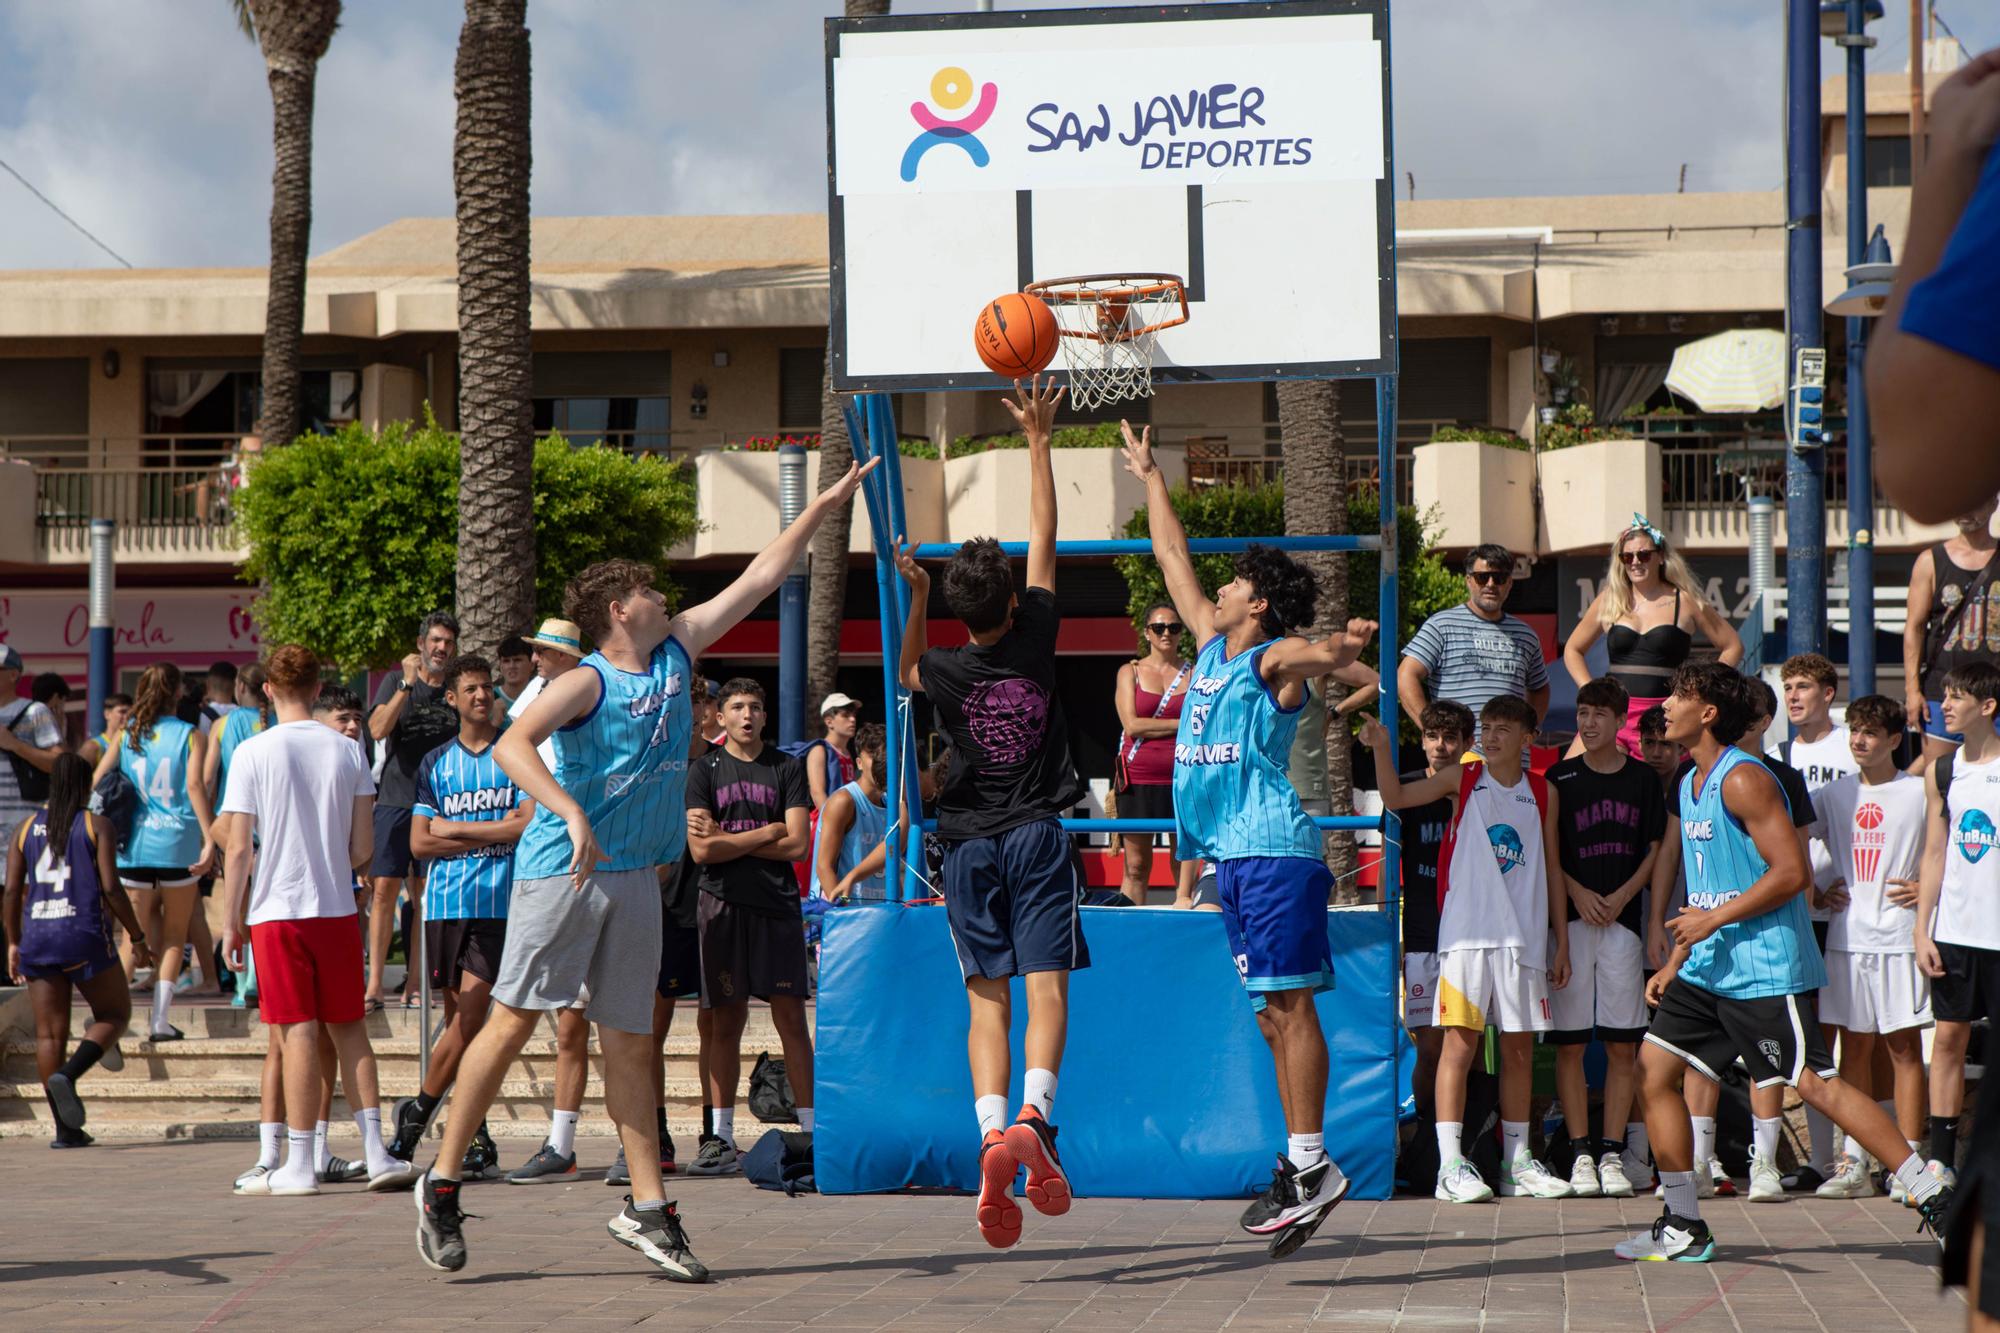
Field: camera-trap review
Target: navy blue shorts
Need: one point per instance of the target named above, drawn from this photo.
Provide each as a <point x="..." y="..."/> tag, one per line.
<point x="1012" y="902"/>
<point x="1274" y="908"/>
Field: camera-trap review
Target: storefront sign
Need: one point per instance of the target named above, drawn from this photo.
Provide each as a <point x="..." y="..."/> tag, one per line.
<point x="165" y="622"/>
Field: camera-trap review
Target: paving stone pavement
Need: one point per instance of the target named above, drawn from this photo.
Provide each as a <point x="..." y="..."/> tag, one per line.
<point x="148" y="1234"/>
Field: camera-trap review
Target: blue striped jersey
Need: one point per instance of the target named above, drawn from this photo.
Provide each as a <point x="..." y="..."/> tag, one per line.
<point x="865" y="833"/>
<point x="1233" y="793"/>
<point x="165" y="832"/>
<point x="1771" y="954"/>
<point x="239" y="726"/>
<point x="461" y="785"/>
<point x="1471" y="659"/>
<point x="625" y="763"/>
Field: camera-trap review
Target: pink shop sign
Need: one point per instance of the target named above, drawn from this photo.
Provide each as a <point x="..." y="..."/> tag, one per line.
<point x="165" y="621"/>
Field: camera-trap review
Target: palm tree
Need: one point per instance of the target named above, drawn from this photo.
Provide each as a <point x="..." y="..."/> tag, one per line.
<point x="1315" y="503"/>
<point x="491" y="159"/>
<point x="826" y="605"/>
<point x="293" y="35"/>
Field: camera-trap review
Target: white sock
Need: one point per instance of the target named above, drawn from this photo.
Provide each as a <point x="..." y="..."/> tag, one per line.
<point x="1704" y="1142"/>
<point x="725" y="1125"/>
<point x="270" y="1143"/>
<point x="1450" y="1145"/>
<point x="992" y="1112"/>
<point x="1824" y="1140"/>
<point x="805" y="1120"/>
<point x="1038" y="1089"/>
<point x="1920" y="1183"/>
<point x="1305" y="1149"/>
<point x="1683" y="1196"/>
<point x="1851" y="1147"/>
<point x="373" y="1151"/>
<point x="562" y="1132"/>
<point x="1764" y="1137"/>
<point x="1513" y="1141"/>
<point x="163" y="996"/>
<point x="298" y="1167"/>
<point x="320" y="1154"/>
<point x="1638" y="1150"/>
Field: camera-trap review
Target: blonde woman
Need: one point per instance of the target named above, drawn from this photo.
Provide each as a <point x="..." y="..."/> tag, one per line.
<point x="1647" y="613"/>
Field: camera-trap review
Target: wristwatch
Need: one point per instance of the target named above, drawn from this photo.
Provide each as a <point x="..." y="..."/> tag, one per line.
<point x="405" y="686"/>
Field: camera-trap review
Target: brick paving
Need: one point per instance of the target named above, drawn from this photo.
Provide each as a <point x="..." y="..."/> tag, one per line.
<point x="132" y="1234"/>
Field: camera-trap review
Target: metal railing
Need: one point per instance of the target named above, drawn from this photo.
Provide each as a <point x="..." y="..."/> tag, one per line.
<point x="167" y="451"/>
<point x="1723" y="476"/>
<point x="161" y="509"/>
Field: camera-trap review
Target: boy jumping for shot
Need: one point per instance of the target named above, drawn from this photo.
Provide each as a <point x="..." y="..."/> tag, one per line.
<point x="1502" y="900"/>
<point x="1235" y="805"/>
<point x="1743" y="968"/>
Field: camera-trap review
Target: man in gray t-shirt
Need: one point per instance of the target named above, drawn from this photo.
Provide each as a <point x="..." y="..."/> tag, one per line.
<point x="30" y="739"/>
<point x="1475" y="651"/>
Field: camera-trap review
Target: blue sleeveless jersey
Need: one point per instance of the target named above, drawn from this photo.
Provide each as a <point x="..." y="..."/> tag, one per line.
<point x="1233" y="793"/>
<point x="238" y="727"/>
<point x="165" y="833"/>
<point x="625" y="763"/>
<point x="457" y="786"/>
<point x="1772" y="954"/>
<point x="62" y="919"/>
<point x="864" y="835"/>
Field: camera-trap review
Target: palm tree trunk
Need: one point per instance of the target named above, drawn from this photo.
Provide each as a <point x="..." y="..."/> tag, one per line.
<point x="1316" y="503"/>
<point x="292" y="36"/>
<point x="826" y="605"/>
<point x="491" y="160"/>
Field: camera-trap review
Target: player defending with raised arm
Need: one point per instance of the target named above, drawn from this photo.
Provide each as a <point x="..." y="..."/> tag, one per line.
<point x="1743" y="968"/>
<point x="1235" y="806"/>
<point x="585" y="906"/>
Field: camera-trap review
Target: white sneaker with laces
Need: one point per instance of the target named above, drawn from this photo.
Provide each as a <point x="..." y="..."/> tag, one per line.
<point x="1944" y="1175"/>
<point x="1583" y="1180"/>
<point x="1849" y="1181"/>
<point x="1897" y="1194"/>
<point x="1766" y="1185"/>
<point x="1526" y="1177"/>
<point x="1458" y="1182"/>
<point x="1611" y="1177"/>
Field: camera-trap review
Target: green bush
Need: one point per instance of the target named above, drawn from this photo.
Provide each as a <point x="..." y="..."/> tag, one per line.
<point x="1506" y="439"/>
<point x="354" y="537"/>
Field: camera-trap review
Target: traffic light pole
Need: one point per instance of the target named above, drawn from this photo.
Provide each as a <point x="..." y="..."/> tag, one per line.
<point x="1805" y="467"/>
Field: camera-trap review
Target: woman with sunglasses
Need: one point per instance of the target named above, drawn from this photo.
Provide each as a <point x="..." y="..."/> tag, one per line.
<point x="1647" y="613"/>
<point x="1150" y="693"/>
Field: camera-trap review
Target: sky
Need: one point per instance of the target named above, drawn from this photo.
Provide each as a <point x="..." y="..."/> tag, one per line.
<point x="149" y="123"/>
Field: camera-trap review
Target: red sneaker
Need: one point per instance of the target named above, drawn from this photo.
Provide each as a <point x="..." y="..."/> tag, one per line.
<point x="1032" y="1141"/>
<point x="999" y="1215"/>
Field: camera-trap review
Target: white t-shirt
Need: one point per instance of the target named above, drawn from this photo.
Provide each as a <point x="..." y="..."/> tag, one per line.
<point x="298" y="780"/>
<point x="1497" y="890"/>
<point x="1820" y="762"/>
<point x="1875" y="834"/>
<point x="1968" y="910"/>
<point x="547" y="749"/>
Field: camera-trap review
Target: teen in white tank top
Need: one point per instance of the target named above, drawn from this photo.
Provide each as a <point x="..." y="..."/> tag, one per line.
<point x="1497" y="892"/>
<point x="1968" y="910"/>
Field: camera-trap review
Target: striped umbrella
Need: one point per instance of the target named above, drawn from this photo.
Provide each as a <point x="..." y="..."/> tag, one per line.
<point x="1742" y="370"/>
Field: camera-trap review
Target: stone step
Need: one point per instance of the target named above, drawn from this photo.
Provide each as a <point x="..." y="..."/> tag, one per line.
<point x="396" y="1058"/>
<point x="220" y="1020"/>
<point x="234" y="1099"/>
<point x="594" y="1126"/>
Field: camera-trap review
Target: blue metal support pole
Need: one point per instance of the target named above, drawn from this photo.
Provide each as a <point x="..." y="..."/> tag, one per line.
<point x="904" y="720"/>
<point x="1386" y="638"/>
<point x="103" y="619"/>
<point x="792" y="603"/>
<point x="1860" y="476"/>
<point x="1805" y="468"/>
<point x="885" y="581"/>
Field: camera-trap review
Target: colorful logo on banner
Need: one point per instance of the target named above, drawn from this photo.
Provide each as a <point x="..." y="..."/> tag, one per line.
<point x="1869" y="840"/>
<point x="951" y="88"/>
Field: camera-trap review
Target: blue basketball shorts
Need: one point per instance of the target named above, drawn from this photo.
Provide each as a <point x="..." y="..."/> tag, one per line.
<point x="1012" y="900"/>
<point x="1274" y="908"/>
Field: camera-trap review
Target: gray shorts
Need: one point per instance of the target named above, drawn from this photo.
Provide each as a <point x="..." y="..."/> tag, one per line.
<point x="606" y="937"/>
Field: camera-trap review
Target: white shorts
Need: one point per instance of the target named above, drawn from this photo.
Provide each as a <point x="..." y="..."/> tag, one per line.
<point x="1480" y="986"/>
<point x="1420" y="984"/>
<point x="1875" y="992"/>
<point x="1606" y="994"/>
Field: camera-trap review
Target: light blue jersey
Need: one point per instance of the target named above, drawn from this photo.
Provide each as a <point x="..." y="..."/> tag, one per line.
<point x="165" y="832"/>
<point x="864" y="835"/>
<point x="1233" y="793"/>
<point x="238" y="727"/>
<point x="625" y="763"/>
<point x="1772" y="954"/>
<point x="463" y="786"/>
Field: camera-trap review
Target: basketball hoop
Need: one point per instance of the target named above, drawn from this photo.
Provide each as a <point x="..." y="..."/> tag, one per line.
<point x="1109" y="324"/>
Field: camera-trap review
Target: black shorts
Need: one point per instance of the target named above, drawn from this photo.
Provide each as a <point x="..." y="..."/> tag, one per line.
<point x="469" y="945"/>
<point x="1978" y="1202"/>
<point x="680" y="962"/>
<point x="1777" y="1035"/>
<point x="1968" y="991"/>
<point x="154" y="877"/>
<point x="1820" y="929"/>
<point x="746" y="954"/>
<point x="1147" y="800"/>
<point x="1012" y="902"/>
<point x="392" y="844"/>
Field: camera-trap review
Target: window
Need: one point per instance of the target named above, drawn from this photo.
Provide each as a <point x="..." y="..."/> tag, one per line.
<point x="1138" y="411"/>
<point x="800" y="370"/>
<point x="1888" y="161"/>
<point x="618" y="399"/>
<point x="1443" y="380"/>
<point x="45" y="409"/>
<point x="196" y="409"/>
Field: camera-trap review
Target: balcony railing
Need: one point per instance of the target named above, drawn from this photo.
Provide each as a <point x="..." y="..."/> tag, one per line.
<point x="1701" y="480"/>
<point x="170" y="511"/>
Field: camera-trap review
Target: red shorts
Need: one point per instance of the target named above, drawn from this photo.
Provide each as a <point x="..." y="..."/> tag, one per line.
<point x="309" y="969"/>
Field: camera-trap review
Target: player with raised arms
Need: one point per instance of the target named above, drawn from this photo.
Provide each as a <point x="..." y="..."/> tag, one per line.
<point x="1235" y="805"/>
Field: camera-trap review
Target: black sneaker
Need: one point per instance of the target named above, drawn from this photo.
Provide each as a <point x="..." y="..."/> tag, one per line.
<point x="657" y="1233"/>
<point x="666" y="1152"/>
<point x="1933" y="1213"/>
<point x="485" y="1153"/>
<point x="618" y="1174"/>
<point x="716" y="1158"/>
<point x="440" y="1224"/>
<point x="61" y="1093"/>
<point x="1806" y="1180"/>
<point x="70" y="1138"/>
<point x="1257" y="1217"/>
<point x="411" y="1126"/>
<point x="1297" y="1196"/>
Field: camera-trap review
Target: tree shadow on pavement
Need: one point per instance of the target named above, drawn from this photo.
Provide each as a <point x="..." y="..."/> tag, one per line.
<point x="193" y="1267"/>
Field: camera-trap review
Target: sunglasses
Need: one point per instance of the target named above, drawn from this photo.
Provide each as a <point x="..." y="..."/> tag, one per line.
<point x="1637" y="557"/>
<point x="1165" y="627"/>
<point x="1486" y="578"/>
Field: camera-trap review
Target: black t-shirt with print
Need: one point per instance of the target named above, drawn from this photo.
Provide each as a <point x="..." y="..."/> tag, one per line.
<point x="743" y="795"/>
<point x="427" y="722"/>
<point x="1010" y="757"/>
<point x="1607" y="822"/>
<point x="1423" y="827"/>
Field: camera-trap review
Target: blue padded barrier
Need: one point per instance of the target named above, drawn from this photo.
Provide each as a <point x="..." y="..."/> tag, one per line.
<point x="1166" y="1087"/>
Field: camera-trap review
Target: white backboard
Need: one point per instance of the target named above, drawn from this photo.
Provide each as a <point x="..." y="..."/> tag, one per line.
<point x="1243" y="147"/>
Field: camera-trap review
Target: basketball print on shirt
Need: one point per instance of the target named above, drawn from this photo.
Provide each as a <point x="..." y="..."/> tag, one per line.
<point x="1007" y="718"/>
<point x="1508" y="853"/>
<point x="1976" y="835"/>
<point x="1869" y="840"/>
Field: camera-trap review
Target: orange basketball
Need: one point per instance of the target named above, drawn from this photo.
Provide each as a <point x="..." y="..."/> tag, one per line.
<point x="1016" y="335"/>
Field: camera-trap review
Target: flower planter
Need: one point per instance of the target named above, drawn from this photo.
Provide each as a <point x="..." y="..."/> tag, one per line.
<point x="986" y="494"/>
<point x="737" y="497"/>
<point x="1476" y="493"/>
<point x="1590" y="492"/>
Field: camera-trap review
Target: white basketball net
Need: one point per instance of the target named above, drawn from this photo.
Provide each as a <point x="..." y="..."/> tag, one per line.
<point x="1109" y="325"/>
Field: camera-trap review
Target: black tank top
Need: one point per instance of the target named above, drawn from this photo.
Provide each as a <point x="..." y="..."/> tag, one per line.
<point x="1951" y="639"/>
<point x="1643" y="662"/>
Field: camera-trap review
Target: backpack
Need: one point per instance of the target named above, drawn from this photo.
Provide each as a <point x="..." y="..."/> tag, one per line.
<point x="1942" y="767"/>
<point x="1468" y="779"/>
<point x="771" y="1092"/>
<point x="837" y="776"/>
<point x="781" y="1160"/>
<point x="34" y="783"/>
<point x="116" y="799"/>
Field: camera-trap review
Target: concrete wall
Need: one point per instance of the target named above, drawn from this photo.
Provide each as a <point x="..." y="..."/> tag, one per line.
<point x="1476" y="493"/>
